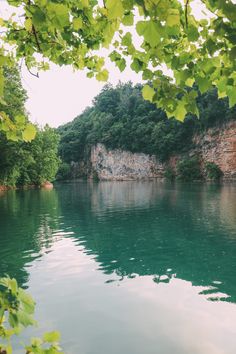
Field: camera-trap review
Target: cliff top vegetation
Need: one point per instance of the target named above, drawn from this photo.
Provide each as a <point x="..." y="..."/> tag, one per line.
<point x="121" y="118"/>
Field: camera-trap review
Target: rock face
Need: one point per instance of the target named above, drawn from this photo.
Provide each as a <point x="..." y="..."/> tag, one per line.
<point x="217" y="145"/>
<point x="123" y="165"/>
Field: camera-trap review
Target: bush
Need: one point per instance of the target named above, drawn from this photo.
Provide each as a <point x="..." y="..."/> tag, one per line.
<point x="64" y="172"/>
<point x="213" y="171"/>
<point x="169" y="173"/>
<point x="188" y="169"/>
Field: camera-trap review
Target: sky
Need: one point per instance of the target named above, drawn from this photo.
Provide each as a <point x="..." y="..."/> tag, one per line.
<point x="60" y="94"/>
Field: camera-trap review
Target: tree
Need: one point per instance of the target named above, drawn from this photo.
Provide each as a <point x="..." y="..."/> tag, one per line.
<point x="13" y="117"/>
<point x="24" y="162"/>
<point x="73" y="32"/>
<point x="121" y="119"/>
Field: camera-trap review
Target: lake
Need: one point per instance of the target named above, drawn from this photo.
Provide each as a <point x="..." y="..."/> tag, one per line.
<point x="126" y="267"/>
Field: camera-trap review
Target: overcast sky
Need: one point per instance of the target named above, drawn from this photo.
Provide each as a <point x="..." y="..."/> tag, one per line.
<point x="60" y="94"/>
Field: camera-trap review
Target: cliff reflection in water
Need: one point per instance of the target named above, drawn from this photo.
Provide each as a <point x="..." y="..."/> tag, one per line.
<point x="164" y="230"/>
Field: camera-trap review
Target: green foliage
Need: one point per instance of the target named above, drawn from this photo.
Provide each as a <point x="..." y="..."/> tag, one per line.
<point x="64" y="172"/>
<point x="33" y="163"/>
<point x="24" y="161"/>
<point x="213" y="171"/>
<point x="121" y="118"/>
<point x="16" y="313"/>
<point x="188" y="169"/>
<point x="13" y="118"/>
<point x="200" y="52"/>
<point x="169" y="173"/>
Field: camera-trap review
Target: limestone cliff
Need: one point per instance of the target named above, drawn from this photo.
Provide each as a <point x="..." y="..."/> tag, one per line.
<point x="124" y="165"/>
<point x="217" y="145"/>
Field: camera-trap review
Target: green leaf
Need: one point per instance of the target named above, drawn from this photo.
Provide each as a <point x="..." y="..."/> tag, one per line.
<point x="77" y="23"/>
<point x="148" y="93"/>
<point x="189" y="82"/>
<point x="232" y="53"/>
<point x="11" y="135"/>
<point x="59" y="14"/>
<point x="115" y="9"/>
<point x="180" y="111"/>
<point x="127" y="39"/>
<point x="29" y="133"/>
<point x="12" y="285"/>
<point x="121" y="64"/>
<point x="231" y="92"/>
<point x="20" y="120"/>
<point x="136" y="65"/>
<point x="173" y="18"/>
<point x="150" y="31"/>
<point x="51" y="337"/>
<point x="27" y="301"/>
<point x="38" y="17"/>
<point x="128" y="19"/>
<point x="13" y="320"/>
<point x="25" y="319"/>
<point x="28" y="24"/>
<point x="103" y="75"/>
<point x="222" y="94"/>
<point x="192" y="33"/>
<point x="1" y="83"/>
<point x="203" y="84"/>
<point x="85" y="3"/>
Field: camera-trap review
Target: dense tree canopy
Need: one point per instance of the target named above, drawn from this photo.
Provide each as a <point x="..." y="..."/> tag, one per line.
<point x="121" y="118"/>
<point x="23" y="162"/>
<point x="71" y="32"/>
<point x="33" y="163"/>
<point x="13" y="116"/>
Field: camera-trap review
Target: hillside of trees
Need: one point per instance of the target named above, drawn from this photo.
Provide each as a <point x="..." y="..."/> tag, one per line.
<point x="21" y="162"/>
<point x="121" y="118"/>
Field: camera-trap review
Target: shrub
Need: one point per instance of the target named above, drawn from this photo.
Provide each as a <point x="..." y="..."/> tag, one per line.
<point x="213" y="171"/>
<point x="188" y="169"/>
<point x="169" y="173"/>
<point x="64" y="171"/>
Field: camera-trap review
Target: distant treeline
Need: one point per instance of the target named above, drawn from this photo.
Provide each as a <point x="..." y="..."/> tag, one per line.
<point x="24" y="163"/>
<point x="121" y="118"/>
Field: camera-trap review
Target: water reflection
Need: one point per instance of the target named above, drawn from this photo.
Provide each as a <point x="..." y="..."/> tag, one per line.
<point x="167" y="231"/>
<point x="126" y="267"/>
<point x="131" y="229"/>
<point x="27" y="219"/>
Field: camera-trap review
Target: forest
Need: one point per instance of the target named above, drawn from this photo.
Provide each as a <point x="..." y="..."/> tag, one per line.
<point x="121" y="118"/>
<point x="22" y="162"/>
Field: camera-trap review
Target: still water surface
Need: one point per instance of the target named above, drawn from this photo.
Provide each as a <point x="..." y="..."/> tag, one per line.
<point x="127" y="267"/>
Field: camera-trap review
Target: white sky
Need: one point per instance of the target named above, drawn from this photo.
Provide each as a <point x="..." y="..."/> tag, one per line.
<point x="60" y="94"/>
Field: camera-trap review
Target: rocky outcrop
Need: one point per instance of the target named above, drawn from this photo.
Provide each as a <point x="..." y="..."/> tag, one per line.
<point x="47" y="185"/>
<point x="123" y="165"/>
<point x="217" y="145"/>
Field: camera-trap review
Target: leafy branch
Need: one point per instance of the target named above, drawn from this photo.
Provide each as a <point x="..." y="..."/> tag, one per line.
<point x="16" y="313"/>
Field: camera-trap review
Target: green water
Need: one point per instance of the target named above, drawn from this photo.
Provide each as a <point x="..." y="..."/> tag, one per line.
<point x="127" y="267"/>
